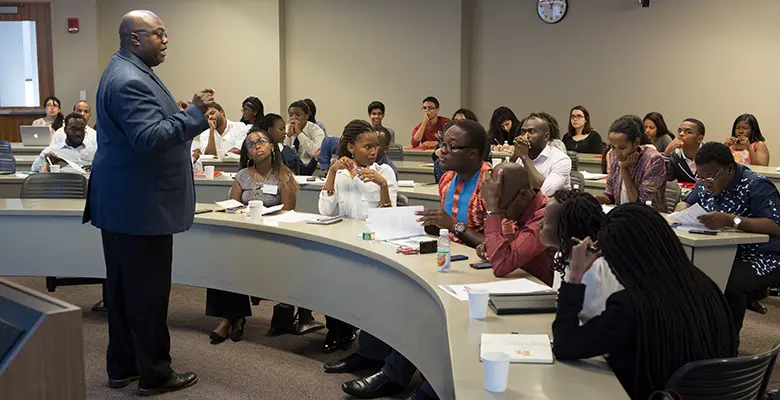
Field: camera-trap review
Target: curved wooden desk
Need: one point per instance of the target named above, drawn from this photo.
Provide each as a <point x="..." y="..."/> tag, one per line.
<point x="327" y="269"/>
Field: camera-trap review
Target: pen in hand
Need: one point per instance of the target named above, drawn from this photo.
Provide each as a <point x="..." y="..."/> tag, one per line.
<point x="591" y="247"/>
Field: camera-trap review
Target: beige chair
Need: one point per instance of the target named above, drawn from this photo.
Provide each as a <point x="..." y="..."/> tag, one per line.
<point x="672" y="195"/>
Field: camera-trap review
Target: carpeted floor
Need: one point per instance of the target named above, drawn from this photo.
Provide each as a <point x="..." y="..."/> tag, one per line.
<point x="285" y="367"/>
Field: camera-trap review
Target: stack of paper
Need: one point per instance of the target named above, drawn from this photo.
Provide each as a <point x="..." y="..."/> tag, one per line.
<point x="509" y="287"/>
<point x="393" y="223"/>
<point x="591" y="176"/>
<point x="531" y="349"/>
<point x="688" y="219"/>
<point x="230" y="205"/>
<point x="406" y="183"/>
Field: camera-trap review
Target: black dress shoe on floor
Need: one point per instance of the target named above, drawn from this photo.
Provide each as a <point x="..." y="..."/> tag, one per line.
<point x="237" y="329"/>
<point x="331" y="343"/>
<point x="177" y="381"/>
<point x="120" y="383"/>
<point x="99" y="307"/>
<point x="371" y="387"/>
<point x="306" y="323"/>
<point x="347" y="338"/>
<point x="351" y="363"/>
<point x="216" y="338"/>
<point x="418" y="395"/>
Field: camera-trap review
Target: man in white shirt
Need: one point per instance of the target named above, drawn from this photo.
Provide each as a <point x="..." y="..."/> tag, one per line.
<point x="548" y="167"/>
<point x="90" y="140"/>
<point x="73" y="152"/>
<point x="302" y="135"/>
<point x="222" y="137"/>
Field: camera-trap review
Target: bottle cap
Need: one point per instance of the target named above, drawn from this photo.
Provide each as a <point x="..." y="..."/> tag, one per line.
<point x="443" y="232"/>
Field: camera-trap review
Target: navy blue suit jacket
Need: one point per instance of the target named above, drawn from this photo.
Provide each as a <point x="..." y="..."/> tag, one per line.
<point x="141" y="181"/>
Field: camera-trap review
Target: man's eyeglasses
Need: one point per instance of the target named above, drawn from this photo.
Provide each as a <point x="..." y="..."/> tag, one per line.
<point x="160" y="34"/>
<point x="575" y="116"/>
<point x="708" y="180"/>
<point x="448" y="148"/>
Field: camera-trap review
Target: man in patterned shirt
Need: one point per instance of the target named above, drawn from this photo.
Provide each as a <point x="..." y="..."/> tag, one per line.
<point x="736" y="197"/>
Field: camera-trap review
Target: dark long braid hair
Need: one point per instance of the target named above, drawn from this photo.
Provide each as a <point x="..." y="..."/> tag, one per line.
<point x="285" y="176"/>
<point x="581" y="216"/>
<point x="351" y="133"/>
<point x="681" y="314"/>
<point x="552" y="123"/>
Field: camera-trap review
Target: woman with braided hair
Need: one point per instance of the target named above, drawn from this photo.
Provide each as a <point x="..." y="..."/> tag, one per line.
<point x="574" y="214"/>
<point x="670" y="313"/>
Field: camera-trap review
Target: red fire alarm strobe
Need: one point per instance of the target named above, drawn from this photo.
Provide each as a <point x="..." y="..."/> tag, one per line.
<point x="73" y="25"/>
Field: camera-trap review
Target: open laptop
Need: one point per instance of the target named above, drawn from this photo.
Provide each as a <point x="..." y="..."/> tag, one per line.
<point x="35" y="135"/>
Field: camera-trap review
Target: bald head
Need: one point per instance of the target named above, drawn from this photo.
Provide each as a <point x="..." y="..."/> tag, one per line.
<point x="514" y="177"/>
<point x="142" y="33"/>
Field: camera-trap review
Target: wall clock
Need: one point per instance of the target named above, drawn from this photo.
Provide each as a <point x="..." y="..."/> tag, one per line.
<point x="552" y="11"/>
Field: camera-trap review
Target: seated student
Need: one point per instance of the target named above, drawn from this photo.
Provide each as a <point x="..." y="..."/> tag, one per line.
<point x="312" y="115"/>
<point x="464" y="113"/>
<point x="681" y="152"/>
<point x="252" y="111"/>
<point x="330" y="147"/>
<point x="222" y="137"/>
<point x="354" y="184"/>
<point x="384" y="136"/>
<point x="302" y="135"/>
<point x="736" y="197"/>
<point x="504" y="127"/>
<point x="427" y="133"/>
<point x="508" y="193"/>
<point x="463" y="213"/>
<point x="376" y="114"/>
<point x="637" y="173"/>
<point x="581" y="137"/>
<point x="263" y="177"/>
<point x="73" y="150"/>
<point x="670" y="313"/>
<point x="328" y="150"/>
<point x="656" y="131"/>
<point x="54" y="118"/>
<point x="549" y="168"/>
<point x="274" y="125"/>
<point x="747" y="144"/>
<point x="81" y="107"/>
<point x="574" y="214"/>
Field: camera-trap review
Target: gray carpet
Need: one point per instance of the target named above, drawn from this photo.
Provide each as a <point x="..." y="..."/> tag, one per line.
<point x="285" y="367"/>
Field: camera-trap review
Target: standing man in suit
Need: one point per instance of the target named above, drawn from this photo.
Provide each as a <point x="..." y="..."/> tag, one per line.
<point x="141" y="192"/>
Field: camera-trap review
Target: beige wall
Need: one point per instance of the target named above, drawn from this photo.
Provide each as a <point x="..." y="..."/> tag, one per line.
<point x="683" y="58"/>
<point x="230" y="46"/>
<point x="345" y="53"/>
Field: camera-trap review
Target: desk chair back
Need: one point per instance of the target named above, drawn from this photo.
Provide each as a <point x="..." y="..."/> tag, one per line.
<point x="395" y="152"/>
<point x="577" y="180"/>
<point x="672" y="196"/>
<point x="575" y="160"/>
<point x="727" y="378"/>
<point x="54" y="186"/>
<point x="7" y="160"/>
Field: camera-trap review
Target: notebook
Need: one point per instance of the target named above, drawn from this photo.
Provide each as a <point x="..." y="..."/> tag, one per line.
<point x="526" y="349"/>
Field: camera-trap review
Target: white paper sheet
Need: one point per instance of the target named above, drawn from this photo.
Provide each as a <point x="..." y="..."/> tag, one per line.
<point x="588" y="176"/>
<point x="395" y="222"/>
<point x="689" y="217"/>
<point x="302" y="180"/>
<point x="532" y="349"/>
<point x="502" y="287"/>
<point x="406" y="183"/>
<point x="271" y="210"/>
<point x="230" y="204"/>
<point x="606" y="208"/>
<point x="291" y="217"/>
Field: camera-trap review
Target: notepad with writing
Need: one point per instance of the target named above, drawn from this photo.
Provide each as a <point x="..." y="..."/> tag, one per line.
<point x="527" y="349"/>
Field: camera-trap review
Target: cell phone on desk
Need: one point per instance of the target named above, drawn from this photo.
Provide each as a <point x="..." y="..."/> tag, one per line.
<point x="458" y="257"/>
<point x="325" y="220"/>
<point x="703" y="232"/>
<point x="482" y="265"/>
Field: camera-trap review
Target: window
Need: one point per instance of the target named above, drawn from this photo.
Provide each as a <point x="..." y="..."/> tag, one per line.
<point x="19" y="64"/>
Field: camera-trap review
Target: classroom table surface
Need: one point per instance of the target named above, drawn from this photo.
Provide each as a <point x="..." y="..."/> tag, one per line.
<point x="22" y="150"/>
<point x="395" y="297"/>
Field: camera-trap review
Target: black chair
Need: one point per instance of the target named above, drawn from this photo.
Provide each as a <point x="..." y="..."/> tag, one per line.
<point x="738" y="378"/>
<point x="58" y="186"/>
<point x="577" y="180"/>
<point x="575" y="160"/>
<point x="395" y="152"/>
<point x="7" y="160"/>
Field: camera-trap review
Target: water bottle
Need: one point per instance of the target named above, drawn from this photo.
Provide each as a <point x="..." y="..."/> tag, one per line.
<point x="507" y="148"/>
<point x="368" y="231"/>
<point x="197" y="166"/>
<point x="443" y="251"/>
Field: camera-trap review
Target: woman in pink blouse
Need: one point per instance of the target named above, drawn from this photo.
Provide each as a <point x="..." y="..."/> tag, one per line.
<point x="637" y="173"/>
<point x="54" y="117"/>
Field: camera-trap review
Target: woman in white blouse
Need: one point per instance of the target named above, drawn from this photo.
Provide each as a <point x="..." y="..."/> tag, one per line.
<point x="355" y="184"/>
<point x="573" y="214"/>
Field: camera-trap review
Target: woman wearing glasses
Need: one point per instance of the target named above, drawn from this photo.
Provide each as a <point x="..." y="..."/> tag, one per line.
<point x="54" y="118"/>
<point x="263" y="177"/>
<point x="736" y="197"/>
<point x="581" y="137"/>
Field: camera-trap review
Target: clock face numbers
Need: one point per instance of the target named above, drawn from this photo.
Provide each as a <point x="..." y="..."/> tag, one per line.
<point x="552" y="11"/>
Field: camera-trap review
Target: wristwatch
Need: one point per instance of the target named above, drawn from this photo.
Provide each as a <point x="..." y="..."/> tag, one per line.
<point x="737" y="221"/>
<point x="459" y="229"/>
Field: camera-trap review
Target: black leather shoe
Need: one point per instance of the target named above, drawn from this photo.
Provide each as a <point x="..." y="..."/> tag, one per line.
<point x="347" y="338"/>
<point x="331" y="342"/>
<point x="306" y="323"/>
<point x="371" y="387"/>
<point x="237" y="329"/>
<point x="99" y="307"/>
<point x="351" y="363"/>
<point x="216" y="338"/>
<point x="177" y="381"/>
<point x="418" y="395"/>
<point x="282" y="321"/>
<point x="120" y="383"/>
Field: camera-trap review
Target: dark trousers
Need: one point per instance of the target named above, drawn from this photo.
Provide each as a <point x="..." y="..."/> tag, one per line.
<point x="743" y="281"/>
<point x="397" y="368"/>
<point x="228" y="305"/>
<point x="338" y="327"/>
<point x="138" y="285"/>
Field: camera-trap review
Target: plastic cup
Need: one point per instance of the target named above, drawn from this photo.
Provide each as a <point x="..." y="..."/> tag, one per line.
<point x="496" y="368"/>
<point x="256" y="210"/>
<point x="209" y="170"/>
<point x="54" y="169"/>
<point x="478" y="303"/>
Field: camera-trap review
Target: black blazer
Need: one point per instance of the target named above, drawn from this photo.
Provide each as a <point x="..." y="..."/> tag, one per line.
<point x="677" y="168"/>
